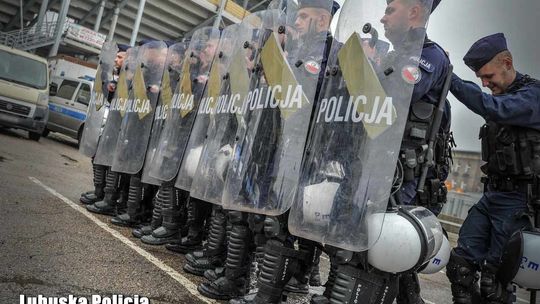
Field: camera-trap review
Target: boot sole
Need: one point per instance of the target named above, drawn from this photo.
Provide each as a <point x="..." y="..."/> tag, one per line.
<point x="209" y="294"/>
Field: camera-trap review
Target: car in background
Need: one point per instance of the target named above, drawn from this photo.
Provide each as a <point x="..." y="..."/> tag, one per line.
<point x="68" y="104"/>
<point x="24" y="91"/>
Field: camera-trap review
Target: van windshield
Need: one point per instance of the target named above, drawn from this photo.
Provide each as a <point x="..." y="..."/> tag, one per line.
<point x="22" y="70"/>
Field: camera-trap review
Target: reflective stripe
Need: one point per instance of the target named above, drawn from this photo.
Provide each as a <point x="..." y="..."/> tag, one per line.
<point x="68" y="112"/>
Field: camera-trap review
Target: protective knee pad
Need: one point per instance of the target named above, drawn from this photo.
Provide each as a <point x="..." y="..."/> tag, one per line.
<point x="237" y="217"/>
<point x="354" y="285"/>
<point x="276" y="227"/>
<point x="463" y="278"/>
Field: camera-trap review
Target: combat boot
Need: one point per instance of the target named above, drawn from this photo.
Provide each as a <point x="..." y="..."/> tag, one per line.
<point x="463" y="278"/>
<point x="171" y="217"/>
<point x="198" y="211"/>
<point x="137" y="209"/>
<point x="91" y="197"/>
<point x="214" y="274"/>
<point x="108" y="205"/>
<point x="214" y="251"/>
<point x="156" y="221"/>
<point x="235" y="282"/>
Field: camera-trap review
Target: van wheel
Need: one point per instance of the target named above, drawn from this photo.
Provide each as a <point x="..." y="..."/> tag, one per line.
<point x="34" y="136"/>
<point x="45" y="132"/>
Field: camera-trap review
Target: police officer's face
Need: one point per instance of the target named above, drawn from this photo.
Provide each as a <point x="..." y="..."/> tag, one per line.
<point x="396" y="20"/>
<point x="316" y="18"/>
<point x="496" y="75"/>
<point x="119" y="60"/>
<point x="209" y="51"/>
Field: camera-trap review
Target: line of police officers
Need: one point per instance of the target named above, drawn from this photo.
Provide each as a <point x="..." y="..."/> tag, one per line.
<point x="247" y="148"/>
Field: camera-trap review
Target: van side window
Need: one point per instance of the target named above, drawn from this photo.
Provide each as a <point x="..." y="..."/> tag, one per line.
<point x="67" y="89"/>
<point x="84" y="94"/>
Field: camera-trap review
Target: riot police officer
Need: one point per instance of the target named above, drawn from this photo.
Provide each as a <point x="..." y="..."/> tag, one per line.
<point x="509" y="146"/>
<point x="100" y="171"/>
<point x="416" y="69"/>
<point x="428" y="85"/>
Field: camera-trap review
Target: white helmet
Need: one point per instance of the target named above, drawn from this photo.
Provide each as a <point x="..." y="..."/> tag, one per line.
<point x="409" y="237"/>
<point x="192" y="160"/>
<point x="440" y="260"/>
<point x="222" y="161"/>
<point x="316" y="197"/>
<point x="521" y="260"/>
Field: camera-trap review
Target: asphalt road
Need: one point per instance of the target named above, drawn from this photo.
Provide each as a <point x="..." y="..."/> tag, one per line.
<point x="50" y="245"/>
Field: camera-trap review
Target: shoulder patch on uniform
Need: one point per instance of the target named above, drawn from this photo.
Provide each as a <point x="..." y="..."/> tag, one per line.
<point x="411" y="74"/>
<point x="312" y="67"/>
<point x="423" y="63"/>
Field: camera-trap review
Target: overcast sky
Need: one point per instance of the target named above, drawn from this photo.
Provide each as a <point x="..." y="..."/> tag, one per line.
<point x="457" y="24"/>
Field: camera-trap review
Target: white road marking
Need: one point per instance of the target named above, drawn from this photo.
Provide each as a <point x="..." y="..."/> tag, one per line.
<point x="186" y="283"/>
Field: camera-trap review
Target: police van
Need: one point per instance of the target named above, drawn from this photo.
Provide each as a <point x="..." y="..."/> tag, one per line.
<point x="68" y="104"/>
<point x="24" y="91"/>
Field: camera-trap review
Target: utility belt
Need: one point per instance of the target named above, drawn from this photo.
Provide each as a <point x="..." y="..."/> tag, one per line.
<point x="507" y="184"/>
<point x="434" y="195"/>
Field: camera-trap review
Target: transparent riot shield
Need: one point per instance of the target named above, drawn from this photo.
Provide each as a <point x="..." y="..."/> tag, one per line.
<point x="263" y="175"/>
<point x="170" y="79"/>
<point x="185" y="103"/>
<point x="140" y="108"/>
<point x="357" y="127"/>
<point x="215" y="99"/>
<point x="216" y="152"/>
<point x="107" y="142"/>
<point x="98" y="106"/>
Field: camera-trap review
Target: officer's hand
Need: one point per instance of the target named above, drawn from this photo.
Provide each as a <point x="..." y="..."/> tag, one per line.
<point x="334" y="171"/>
<point x="111" y="87"/>
<point x="368" y="50"/>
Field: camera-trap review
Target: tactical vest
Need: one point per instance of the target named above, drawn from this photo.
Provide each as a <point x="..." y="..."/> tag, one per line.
<point x="511" y="153"/>
<point x="412" y="152"/>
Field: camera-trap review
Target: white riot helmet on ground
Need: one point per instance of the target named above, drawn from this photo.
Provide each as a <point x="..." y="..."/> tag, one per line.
<point x="410" y="237"/>
<point x="520" y="262"/>
<point x="440" y="260"/>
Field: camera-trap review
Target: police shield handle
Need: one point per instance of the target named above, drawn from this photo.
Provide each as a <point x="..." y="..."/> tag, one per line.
<point x="122" y="94"/>
<point x="98" y="90"/>
<point x="280" y="76"/>
<point x="166" y="91"/>
<point x="140" y="99"/>
<point x="239" y="76"/>
<point x="365" y="89"/>
<point x="185" y="91"/>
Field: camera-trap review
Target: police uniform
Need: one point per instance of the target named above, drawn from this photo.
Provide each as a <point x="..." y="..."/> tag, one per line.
<point x="428" y="73"/>
<point x="99" y="171"/>
<point x="510" y="142"/>
<point x="433" y="65"/>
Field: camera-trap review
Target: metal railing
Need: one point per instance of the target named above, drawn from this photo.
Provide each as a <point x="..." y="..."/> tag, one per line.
<point x="30" y="38"/>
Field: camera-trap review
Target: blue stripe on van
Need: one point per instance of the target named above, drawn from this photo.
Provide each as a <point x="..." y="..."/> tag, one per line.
<point x="68" y="112"/>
